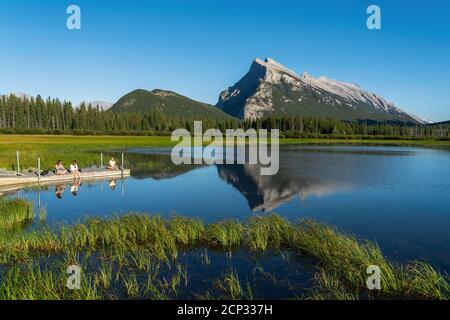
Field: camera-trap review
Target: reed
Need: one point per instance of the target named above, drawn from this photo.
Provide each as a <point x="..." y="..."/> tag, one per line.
<point x="15" y="214"/>
<point x="230" y="285"/>
<point x="224" y="235"/>
<point x="146" y="243"/>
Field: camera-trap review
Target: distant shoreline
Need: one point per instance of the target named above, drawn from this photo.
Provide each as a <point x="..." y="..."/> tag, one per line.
<point x="87" y="149"/>
<point x="164" y="140"/>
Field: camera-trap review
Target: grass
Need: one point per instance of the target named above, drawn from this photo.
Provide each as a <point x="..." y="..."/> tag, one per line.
<point x="86" y="149"/>
<point x="232" y="287"/>
<point x="15" y="214"/>
<point x="224" y="235"/>
<point x="330" y="287"/>
<point x="150" y="244"/>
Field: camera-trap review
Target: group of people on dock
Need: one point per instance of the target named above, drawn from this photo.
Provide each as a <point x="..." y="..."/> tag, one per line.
<point x="73" y="169"/>
<point x="76" y="172"/>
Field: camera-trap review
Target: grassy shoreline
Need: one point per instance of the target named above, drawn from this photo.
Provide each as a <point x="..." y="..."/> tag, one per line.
<point x="86" y="148"/>
<point x="149" y="241"/>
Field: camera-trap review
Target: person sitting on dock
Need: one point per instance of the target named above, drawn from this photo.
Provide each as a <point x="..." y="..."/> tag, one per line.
<point x="60" y="170"/>
<point x="74" y="170"/>
<point x="112" y="164"/>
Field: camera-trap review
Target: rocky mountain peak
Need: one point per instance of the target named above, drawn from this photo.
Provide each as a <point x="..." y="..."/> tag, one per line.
<point x="270" y="88"/>
<point x="274" y="68"/>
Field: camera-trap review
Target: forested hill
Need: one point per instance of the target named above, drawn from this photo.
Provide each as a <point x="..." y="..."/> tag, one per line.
<point x="169" y="103"/>
<point x="29" y="113"/>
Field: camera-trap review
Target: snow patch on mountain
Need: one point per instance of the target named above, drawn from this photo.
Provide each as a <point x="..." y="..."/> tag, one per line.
<point x="103" y="105"/>
<point x="20" y="95"/>
<point x="274" y="69"/>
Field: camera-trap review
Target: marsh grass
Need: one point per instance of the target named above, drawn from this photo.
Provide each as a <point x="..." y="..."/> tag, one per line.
<point x="263" y="232"/>
<point x="150" y="245"/>
<point x="224" y="235"/>
<point x="330" y="287"/>
<point x="347" y="259"/>
<point x="422" y="280"/>
<point x="15" y="214"/>
<point x="232" y="287"/>
<point x="51" y="148"/>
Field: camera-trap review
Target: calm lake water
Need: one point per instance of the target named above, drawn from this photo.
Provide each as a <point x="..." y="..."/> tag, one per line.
<point x="396" y="196"/>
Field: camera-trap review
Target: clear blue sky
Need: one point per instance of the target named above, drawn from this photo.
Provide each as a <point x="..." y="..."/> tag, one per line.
<point x="198" y="48"/>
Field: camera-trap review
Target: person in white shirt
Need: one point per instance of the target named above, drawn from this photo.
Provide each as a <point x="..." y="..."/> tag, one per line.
<point x="112" y="164"/>
<point x="74" y="170"/>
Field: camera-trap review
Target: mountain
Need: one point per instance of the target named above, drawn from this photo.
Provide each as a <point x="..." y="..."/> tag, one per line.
<point x="103" y="105"/>
<point x="269" y="88"/>
<point x="170" y="103"/>
<point x="440" y="123"/>
<point x="443" y="124"/>
<point x="20" y="95"/>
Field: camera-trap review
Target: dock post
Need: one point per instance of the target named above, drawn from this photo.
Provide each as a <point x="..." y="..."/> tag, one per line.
<point x="123" y="163"/>
<point x="39" y="170"/>
<point x="18" y="162"/>
<point x="101" y="160"/>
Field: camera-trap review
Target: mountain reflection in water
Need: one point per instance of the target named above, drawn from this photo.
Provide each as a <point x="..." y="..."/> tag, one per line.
<point x="263" y="193"/>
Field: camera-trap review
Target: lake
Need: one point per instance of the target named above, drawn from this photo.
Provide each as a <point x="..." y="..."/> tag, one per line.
<point x="396" y="196"/>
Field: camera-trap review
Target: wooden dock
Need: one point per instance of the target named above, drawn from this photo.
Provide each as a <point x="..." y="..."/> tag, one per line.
<point x="10" y="181"/>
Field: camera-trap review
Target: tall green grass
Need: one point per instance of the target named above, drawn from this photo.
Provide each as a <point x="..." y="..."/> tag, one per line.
<point x="141" y="241"/>
<point x="15" y="214"/>
<point x="232" y="286"/>
<point x="85" y="149"/>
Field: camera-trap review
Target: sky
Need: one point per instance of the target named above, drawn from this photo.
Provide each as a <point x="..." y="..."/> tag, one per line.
<point x="198" y="48"/>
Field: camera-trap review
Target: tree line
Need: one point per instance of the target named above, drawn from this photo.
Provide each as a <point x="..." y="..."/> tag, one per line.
<point x="297" y="126"/>
<point x="38" y="115"/>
